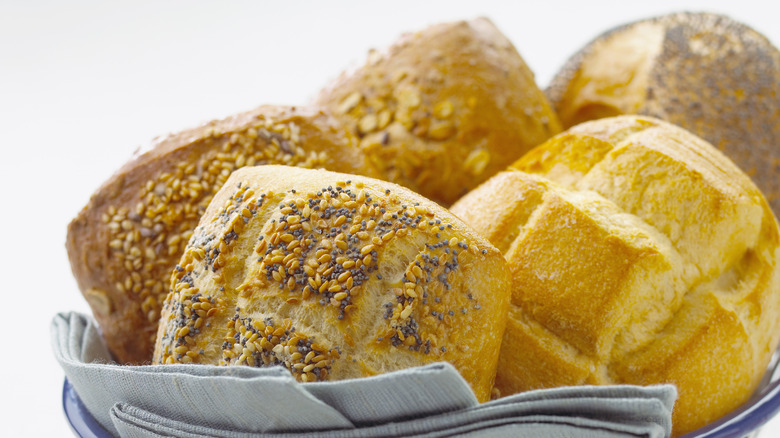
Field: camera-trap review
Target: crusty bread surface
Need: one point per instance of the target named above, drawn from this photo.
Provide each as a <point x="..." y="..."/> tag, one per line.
<point x="334" y="276"/>
<point x="443" y="109"/>
<point x="124" y="244"/>
<point x="639" y="254"/>
<point x="707" y="73"/>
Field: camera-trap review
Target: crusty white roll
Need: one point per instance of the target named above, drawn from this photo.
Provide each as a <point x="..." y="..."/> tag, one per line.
<point x="334" y="276"/>
<point x="639" y="254"/>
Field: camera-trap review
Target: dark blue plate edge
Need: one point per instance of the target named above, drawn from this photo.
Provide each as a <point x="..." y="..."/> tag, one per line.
<point x="81" y="421"/>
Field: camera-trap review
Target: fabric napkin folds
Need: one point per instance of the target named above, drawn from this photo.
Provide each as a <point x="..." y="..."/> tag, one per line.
<point x="430" y="401"/>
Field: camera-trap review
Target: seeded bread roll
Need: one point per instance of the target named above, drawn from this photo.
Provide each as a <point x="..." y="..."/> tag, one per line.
<point x="124" y="244"/>
<point x="639" y="254"/>
<point x="707" y="73"/>
<point x="334" y="276"/>
<point x="443" y="109"/>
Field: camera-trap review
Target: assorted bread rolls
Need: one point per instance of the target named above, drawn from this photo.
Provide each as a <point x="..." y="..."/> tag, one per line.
<point x="624" y="250"/>
<point x="639" y="254"/>
<point x="334" y="276"/>
<point x="707" y="73"/>
<point x="124" y="244"/>
<point x="443" y="109"/>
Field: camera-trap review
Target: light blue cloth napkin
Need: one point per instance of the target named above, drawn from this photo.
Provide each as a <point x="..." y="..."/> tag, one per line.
<point x="430" y="401"/>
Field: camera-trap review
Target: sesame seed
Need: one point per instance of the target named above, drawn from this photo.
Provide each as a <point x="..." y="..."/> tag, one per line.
<point x="340" y="296"/>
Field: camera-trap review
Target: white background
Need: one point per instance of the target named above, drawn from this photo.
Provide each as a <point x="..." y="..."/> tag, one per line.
<point x="83" y="83"/>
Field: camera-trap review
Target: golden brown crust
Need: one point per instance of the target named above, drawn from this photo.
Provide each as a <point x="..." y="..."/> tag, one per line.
<point x="125" y="242"/>
<point x="444" y="108"/>
<point x="647" y="257"/>
<point x="711" y="75"/>
<point x="334" y="276"/>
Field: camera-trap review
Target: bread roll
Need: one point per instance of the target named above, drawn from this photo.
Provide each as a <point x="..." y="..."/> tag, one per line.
<point x="124" y="244"/>
<point x="639" y="254"/>
<point x="334" y="276"/>
<point x="707" y="73"/>
<point x="444" y="108"/>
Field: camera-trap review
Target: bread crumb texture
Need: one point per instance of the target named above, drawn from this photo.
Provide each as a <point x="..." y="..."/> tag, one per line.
<point x="334" y="276"/>
<point x="639" y="254"/>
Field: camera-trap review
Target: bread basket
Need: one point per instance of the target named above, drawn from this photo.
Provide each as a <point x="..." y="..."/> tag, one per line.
<point x="743" y="422"/>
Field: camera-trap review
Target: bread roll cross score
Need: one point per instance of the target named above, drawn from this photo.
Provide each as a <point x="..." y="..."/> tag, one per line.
<point x="334" y="276"/>
<point x="639" y="254"/>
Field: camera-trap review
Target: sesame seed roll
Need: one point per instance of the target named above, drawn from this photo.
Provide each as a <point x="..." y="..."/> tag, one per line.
<point x="334" y="276"/>
<point x="126" y="241"/>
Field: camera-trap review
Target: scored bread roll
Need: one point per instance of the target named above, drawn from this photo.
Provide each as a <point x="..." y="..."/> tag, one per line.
<point x="639" y="254"/>
<point x="444" y="108"/>
<point x="707" y="73"/>
<point x="334" y="276"/>
<point x="124" y="244"/>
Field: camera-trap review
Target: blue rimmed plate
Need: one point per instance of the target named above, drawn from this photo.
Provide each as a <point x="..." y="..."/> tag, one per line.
<point x="82" y="422"/>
